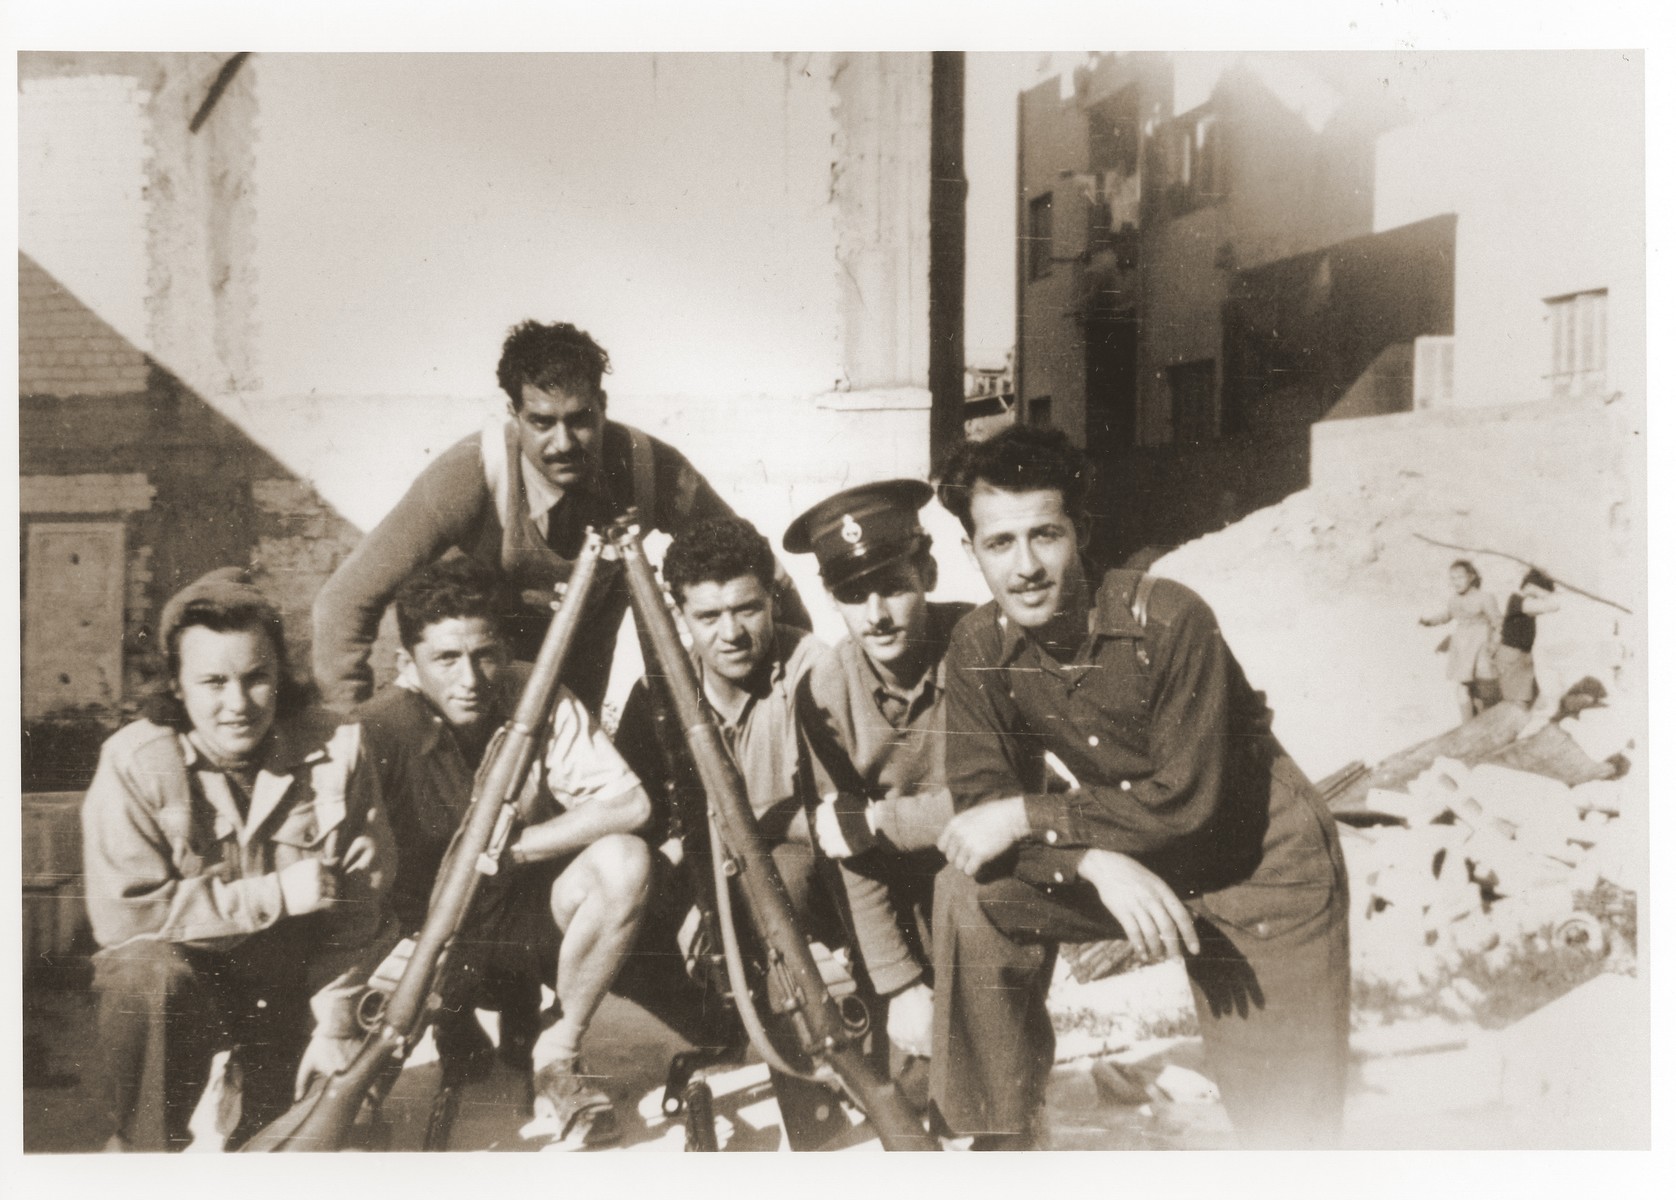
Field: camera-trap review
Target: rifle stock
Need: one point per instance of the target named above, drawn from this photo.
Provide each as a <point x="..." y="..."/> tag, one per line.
<point x="323" y="1118"/>
<point x="821" y="1025"/>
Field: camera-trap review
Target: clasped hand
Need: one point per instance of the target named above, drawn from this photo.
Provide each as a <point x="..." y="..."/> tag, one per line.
<point x="983" y="833"/>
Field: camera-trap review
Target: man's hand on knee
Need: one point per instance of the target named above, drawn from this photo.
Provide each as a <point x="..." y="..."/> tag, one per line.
<point x="983" y="833"/>
<point x="1151" y="914"/>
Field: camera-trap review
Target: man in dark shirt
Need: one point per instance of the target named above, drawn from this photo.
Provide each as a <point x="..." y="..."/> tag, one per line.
<point x="518" y="498"/>
<point x="1187" y="828"/>
<point x="567" y="906"/>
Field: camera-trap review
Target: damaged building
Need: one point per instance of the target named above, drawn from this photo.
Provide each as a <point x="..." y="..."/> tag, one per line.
<point x="1218" y="253"/>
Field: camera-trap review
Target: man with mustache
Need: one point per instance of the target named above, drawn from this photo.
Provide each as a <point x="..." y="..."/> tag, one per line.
<point x="871" y="713"/>
<point x="519" y="499"/>
<point x="1188" y="830"/>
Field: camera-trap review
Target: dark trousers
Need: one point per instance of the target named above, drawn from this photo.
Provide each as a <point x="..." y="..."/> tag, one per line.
<point x="1271" y="985"/>
<point x="166" y="1009"/>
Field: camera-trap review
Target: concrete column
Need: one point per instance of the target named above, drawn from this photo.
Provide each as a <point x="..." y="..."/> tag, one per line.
<point x="881" y="188"/>
<point x="201" y="224"/>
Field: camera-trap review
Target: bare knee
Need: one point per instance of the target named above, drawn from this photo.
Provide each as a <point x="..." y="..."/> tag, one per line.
<point x="623" y="864"/>
<point x="614" y="873"/>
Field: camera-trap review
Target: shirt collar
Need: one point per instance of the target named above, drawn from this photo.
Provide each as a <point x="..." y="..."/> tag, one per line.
<point x="539" y="493"/>
<point x="786" y="640"/>
<point x="1112" y="615"/>
<point x="939" y="628"/>
<point x="1110" y="618"/>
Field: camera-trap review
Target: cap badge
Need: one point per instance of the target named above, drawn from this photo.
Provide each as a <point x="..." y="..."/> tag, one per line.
<point x="849" y="530"/>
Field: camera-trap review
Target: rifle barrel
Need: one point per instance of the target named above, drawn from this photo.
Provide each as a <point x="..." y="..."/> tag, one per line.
<point x="321" y="1120"/>
<point x="764" y="891"/>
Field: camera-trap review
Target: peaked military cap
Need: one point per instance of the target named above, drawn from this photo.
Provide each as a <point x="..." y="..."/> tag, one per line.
<point x="862" y="528"/>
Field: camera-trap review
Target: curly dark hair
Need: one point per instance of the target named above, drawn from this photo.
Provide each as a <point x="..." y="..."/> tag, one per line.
<point x="717" y="551"/>
<point x="165" y="708"/>
<point x="556" y="357"/>
<point x="1021" y="458"/>
<point x="453" y="587"/>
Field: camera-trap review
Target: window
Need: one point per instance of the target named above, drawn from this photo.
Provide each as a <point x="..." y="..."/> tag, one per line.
<point x="1039" y="242"/>
<point x="1041" y="410"/>
<point x="1193" y="401"/>
<point x="1577" y="327"/>
<point x="1434" y="372"/>
<point x="1195" y="162"/>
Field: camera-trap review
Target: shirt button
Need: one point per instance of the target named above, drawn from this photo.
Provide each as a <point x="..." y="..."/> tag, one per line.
<point x="1051" y="836"/>
<point x="1124" y="785"/>
<point x="1093" y="740"/>
<point x="1059" y="877"/>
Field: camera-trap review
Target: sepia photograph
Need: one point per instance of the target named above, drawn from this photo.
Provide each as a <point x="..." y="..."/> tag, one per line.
<point x="591" y="598"/>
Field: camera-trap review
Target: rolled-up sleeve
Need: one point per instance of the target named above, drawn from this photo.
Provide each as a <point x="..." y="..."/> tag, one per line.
<point x="582" y="764"/>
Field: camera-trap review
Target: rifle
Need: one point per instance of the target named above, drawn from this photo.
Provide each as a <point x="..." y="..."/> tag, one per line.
<point x="827" y="1035"/>
<point x="321" y="1120"/>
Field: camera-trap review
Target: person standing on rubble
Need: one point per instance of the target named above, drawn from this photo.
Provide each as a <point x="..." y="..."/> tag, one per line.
<point x="1515" y="666"/>
<point x="1471" y="643"/>
<point x="1190" y="831"/>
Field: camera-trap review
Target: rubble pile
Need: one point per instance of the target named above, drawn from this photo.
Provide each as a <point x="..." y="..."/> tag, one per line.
<point x="1485" y="865"/>
<point x="1320" y="597"/>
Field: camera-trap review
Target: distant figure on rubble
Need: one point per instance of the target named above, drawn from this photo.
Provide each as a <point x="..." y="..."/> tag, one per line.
<point x="1472" y="642"/>
<point x="1515" y="668"/>
<point x="237" y="861"/>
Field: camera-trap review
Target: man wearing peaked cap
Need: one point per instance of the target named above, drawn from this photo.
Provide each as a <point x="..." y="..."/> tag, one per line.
<point x="871" y="716"/>
<point x="861" y="528"/>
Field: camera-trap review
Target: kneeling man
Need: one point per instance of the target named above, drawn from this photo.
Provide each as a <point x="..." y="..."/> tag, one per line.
<point x="567" y="906"/>
<point x="1189" y="829"/>
<point x="871" y="713"/>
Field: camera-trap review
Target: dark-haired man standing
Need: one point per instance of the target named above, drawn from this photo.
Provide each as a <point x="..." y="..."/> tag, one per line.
<point x="567" y="906"/>
<point x="518" y="498"/>
<point x="1188" y="830"/>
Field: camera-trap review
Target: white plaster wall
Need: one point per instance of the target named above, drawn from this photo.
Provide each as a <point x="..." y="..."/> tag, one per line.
<point x="1541" y="154"/>
<point x="412" y="208"/>
<point x="82" y="154"/>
